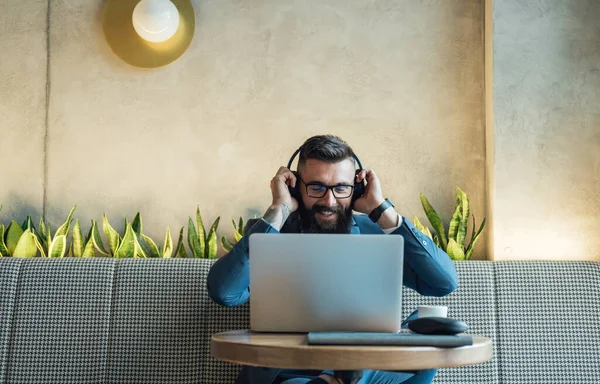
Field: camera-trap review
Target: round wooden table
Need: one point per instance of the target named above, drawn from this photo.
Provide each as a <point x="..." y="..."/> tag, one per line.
<point x="291" y="351"/>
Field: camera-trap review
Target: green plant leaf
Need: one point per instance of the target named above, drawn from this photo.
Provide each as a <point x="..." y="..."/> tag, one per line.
<point x="464" y="217"/>
<point x="98" y="244"/>
<point x="127" y="248"/>
<point x="137" y="225"/>
<point x="455" y="251"/>
<point x="48" y="237"/>
<point x="418" y="224"/>
<point x="427" y="233"/>
<point x="202" y="237"/>
<point x="58" y="246"/>
<point x="435" y="220"/>
<point x="13" y="234"/>
<point x="212" y="245"/>
<point x="193" y="240"/>
<point x="3" y="250"/>
<point x="89" y="250"/>
<point x="27" y="224"/>
<point x="66" y="226"/>
<point x="26" y="246"/>
<point x="152" y="247"/>
<point x="139" y="251"/>
<point x="77" y="245"/>
<point x="474" y="238"/>
<point x="114" y="239"/>
<point x="42" y="233"/>
<point x="180" y="249"/>
<point x="39" y="246"/>
<point x="167" y="245"/>
<point x="226" y="244"/>
<point x="436" y="240"/>
<point x="454" y="222"/>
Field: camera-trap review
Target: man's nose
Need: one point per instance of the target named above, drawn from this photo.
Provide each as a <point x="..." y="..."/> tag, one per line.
<point x="329" y="199"/>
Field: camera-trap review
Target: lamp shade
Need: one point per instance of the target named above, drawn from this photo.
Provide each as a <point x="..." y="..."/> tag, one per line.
<point x="155" y="20"/>
<point x="148" y="33"/>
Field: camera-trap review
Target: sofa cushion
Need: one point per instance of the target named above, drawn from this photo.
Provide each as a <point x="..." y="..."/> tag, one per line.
<point x="8" y="292"/>
<point x="548" y="321"/>
<point x="60" y="319"/>
<point x="156" y="323"/>
<point x="215" y="319"/>
<point x="472" y="302"/>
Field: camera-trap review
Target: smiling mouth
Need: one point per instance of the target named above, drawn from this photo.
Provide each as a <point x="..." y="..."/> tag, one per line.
<point x="327" y="213"/>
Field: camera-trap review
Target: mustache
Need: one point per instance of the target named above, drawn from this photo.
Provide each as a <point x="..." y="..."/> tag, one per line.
<point x="325" y="209"/>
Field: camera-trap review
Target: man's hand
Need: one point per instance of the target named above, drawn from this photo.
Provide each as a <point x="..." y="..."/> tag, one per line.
<point x="283" y="203"/>
<point x="372" y="198"/>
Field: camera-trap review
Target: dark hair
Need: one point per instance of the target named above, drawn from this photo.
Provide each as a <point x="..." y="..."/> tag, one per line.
<point x="328" y="148"/>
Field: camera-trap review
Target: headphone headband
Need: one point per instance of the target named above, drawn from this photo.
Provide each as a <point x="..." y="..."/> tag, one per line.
<point x="299" y="149"/>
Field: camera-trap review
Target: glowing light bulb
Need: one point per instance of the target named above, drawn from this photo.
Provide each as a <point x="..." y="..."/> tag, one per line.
<point x="155" y="20"/>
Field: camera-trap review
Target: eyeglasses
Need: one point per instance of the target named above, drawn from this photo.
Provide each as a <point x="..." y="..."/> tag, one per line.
<point x="317" y="190"/>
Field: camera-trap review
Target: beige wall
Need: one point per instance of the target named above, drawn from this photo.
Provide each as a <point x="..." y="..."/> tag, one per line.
<point x="23" y="35"/>
<point x="546" y="69"/>
<point x="401" y="81"/>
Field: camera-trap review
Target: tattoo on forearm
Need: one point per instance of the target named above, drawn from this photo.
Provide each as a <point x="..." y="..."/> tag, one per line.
<point x="270" y="216"/>
<point x="276" y="216"/>
<point x="285" y="213"/>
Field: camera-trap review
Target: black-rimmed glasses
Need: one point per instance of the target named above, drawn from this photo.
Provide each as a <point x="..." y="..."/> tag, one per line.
<point x="318" y="190"/>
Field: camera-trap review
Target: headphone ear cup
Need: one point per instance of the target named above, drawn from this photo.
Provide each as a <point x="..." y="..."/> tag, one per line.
<point x="295" y="191"/>
<point x="359" y="188"/>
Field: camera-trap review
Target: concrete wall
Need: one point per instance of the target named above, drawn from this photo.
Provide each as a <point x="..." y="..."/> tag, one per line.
<point x="546" y="95"/>
<point x="23" y="36"/>
<point x="401" y="81"/>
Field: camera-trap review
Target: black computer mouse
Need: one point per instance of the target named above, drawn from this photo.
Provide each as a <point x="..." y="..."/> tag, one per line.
<point x="437" y="326"/>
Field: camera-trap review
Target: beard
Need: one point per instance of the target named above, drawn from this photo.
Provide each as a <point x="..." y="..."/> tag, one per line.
<point x="310" y="224"/>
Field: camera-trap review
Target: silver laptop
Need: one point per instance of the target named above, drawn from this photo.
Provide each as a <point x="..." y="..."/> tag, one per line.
<point x="325" y="282"/>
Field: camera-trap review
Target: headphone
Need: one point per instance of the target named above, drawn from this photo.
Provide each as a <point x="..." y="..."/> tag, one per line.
<point x="359" y="187"/>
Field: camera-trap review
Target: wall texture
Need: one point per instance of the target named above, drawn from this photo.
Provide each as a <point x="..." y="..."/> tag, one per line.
<point x="401" y="81"/>
<point x="23" y="78"/>
<point x="546" y="129"/>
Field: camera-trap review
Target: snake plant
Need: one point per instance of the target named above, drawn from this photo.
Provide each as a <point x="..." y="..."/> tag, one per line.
<point x="453" y="242"/>
<point x="238" y="233"/>
<point x="25" y="240"/>
<point x="134" y="243"/>
<point x="202" y="243"/>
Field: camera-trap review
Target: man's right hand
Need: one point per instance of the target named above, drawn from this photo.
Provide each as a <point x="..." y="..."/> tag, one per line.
<point x="283" y="203"/>
<point x="280" y="191"/>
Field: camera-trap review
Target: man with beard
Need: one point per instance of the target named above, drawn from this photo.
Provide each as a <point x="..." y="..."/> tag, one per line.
<point x="325" y="184"/>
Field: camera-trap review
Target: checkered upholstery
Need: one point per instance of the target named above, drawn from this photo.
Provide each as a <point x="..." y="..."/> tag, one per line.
<point x="9" y="275"/>
<point x="472" y="302"/>
<point x="549" y="322"/>
<point x="149" y="321"/>
<point x="60" y="316"/>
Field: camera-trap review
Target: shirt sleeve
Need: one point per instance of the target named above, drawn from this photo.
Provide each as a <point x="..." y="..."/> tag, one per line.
<point x="228" y="280"/>
<point x="427" y="268"/>
<point x="398" y="224"/>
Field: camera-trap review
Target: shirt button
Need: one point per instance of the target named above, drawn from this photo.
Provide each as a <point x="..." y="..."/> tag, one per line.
<point x="424" y="242"/>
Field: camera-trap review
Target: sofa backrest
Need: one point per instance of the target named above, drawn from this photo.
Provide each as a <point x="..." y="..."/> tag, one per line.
<point x="109" y="321"/>
<point x="473" y="302"/>
<point x="548" y="321"/>
<point x="150" y="321"/>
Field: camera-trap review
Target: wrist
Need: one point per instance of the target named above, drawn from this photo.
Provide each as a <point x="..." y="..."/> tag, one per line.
<point x="277" y="214"/>
<point x="376" y="213"/>
<point x="375" y="205"/>
<point x="389" y="219"/>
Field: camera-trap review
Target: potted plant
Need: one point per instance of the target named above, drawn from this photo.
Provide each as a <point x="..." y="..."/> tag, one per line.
<point x="452" y="241"/>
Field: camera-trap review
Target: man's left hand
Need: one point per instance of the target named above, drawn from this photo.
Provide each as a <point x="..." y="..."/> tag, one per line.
<point x="373" y="196"/>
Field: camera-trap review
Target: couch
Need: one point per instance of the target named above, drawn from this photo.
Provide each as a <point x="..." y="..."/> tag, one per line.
<point x="148" y="321"/>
